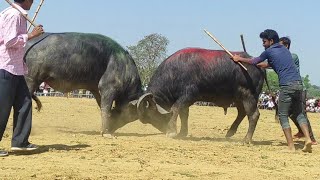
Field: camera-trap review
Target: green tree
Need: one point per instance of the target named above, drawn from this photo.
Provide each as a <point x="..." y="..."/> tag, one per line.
<point x="306" y="82"/>
<point x="148" y="54"/>
<point x="313" y="91"/>
<point x="273" y="81"/>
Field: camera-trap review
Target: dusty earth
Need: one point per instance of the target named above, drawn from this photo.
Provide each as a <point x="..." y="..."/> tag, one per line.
<point x="71" y="148"/>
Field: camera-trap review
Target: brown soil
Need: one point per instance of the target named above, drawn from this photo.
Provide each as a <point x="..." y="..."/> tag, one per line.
<point x="71" y="148"/>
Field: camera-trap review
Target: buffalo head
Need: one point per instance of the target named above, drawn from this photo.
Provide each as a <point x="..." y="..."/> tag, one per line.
<point x="150" y="112"/>
<point x="122" y="115"/>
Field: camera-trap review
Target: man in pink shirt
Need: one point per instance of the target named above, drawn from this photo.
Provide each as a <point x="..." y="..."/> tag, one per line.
<point x="13" y="88"/>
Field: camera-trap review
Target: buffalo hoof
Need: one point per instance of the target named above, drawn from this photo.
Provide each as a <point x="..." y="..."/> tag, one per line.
<point x="109" y="136"/>
<point x="230" y="133"/>
<point x="182" y="134"/>
<point x="171" y="135"/>
<point x="247" y="141"/>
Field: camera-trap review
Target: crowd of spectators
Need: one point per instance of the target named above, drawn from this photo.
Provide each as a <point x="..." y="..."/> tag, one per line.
<point x="313" y="105"/>
<point x="45" y="90"/>
<point x="266" y="102"/>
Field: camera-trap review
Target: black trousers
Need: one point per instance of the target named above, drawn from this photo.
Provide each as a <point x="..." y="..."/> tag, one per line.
<point x="14" y="93"/>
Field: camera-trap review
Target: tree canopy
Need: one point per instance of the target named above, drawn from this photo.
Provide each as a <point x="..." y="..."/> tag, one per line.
<point x="148" y="54"/>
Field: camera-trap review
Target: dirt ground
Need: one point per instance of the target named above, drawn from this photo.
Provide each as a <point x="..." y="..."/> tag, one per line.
<point x="71" y="148"/>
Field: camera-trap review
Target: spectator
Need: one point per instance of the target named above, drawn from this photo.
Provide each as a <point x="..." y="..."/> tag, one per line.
<point x="270" y="104"/>
<point x="41" y="87"/>
<point x="285" y="41"/>
<point x="14" y="91"/>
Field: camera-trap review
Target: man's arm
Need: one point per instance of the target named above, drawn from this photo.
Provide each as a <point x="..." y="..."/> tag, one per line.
<point x="255" y="61"/>
<point x="12" y="37"/>
<point x="263" y="65"/>
<point x="37" y="31"/>
<point x="238" y="58"/>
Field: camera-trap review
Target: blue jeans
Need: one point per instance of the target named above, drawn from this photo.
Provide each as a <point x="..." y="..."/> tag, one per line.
<point x="290" y="98"/>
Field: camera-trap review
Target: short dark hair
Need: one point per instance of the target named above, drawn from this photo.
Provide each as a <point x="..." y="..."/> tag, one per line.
<point x="19" y="1"/>
<point x="286" y="41"/>
<point x="270" y="34"/>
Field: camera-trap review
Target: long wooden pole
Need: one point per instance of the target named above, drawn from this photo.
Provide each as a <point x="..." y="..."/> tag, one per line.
<point x="36" y="14"/>
<point x="225" y="49"/>
<point x="33" y="24"/>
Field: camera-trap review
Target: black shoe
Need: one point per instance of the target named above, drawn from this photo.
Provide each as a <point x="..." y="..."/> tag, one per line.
<point x="29" y="147"/>
<point x="3" y="153"/>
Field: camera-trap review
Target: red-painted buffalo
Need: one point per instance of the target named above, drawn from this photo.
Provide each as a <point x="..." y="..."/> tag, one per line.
<point x="194" y="74"/>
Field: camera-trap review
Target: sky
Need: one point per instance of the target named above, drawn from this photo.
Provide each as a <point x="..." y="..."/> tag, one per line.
<point x="183" y="22"/>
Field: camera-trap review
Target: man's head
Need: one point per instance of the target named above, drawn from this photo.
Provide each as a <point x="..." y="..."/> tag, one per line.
<point x="269" y="37"/>
<point x="285" y="41"/>
<point x="25" y="4"/>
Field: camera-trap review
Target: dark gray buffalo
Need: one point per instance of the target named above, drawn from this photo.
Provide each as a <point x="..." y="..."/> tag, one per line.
<point x="191" y="75"/>
<point x="69" y="61"/>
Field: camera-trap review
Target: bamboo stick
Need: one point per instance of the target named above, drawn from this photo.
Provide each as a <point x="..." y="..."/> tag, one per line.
<point x="36" y="14"/>
<point x="225" y="49"/>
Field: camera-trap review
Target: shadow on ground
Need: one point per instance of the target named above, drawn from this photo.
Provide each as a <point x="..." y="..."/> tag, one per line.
<point x="223" y="139"/>
<point x="52" y="147"/>
<point x="116" y="134"/>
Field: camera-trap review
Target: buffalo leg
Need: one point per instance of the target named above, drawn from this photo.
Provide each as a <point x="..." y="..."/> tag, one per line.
<point x="172" y="125"/>
<point x="250" y="106"/>
<point x="181" y="104"/>
<point x="107" y="97"/>
<point x="236" y="123"/>
<point x="184" y="114"/>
